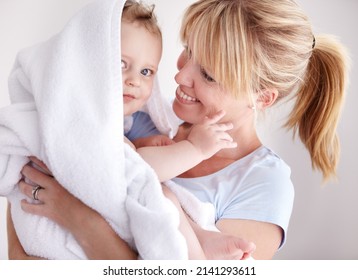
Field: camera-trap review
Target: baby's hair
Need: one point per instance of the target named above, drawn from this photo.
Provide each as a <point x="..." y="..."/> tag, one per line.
<point x="252" y="45"/>
<point x="138" y="12"/>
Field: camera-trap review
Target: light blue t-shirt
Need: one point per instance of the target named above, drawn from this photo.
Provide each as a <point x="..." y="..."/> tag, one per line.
<point x="139" y="125"/>
<point x="257" y="187"/>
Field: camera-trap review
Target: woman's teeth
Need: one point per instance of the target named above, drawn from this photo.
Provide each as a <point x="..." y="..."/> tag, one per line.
<point x="187" y="97"/>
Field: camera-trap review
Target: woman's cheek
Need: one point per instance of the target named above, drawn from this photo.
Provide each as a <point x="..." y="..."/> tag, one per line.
<point x="189" y="114"/>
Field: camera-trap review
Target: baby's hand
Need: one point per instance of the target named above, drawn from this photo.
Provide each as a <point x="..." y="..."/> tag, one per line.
<point x="155" y="140"/>
<point x="210" y="136"/>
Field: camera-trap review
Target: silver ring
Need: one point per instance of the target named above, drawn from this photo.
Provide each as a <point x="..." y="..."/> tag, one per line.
<point x="35" y="191"/>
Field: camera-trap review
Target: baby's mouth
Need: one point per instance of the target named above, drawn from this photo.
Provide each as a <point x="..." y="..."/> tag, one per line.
<point x="128" y="97"/>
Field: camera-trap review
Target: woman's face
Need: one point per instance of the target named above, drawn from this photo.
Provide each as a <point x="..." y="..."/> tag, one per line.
<point x="199" y="95"/>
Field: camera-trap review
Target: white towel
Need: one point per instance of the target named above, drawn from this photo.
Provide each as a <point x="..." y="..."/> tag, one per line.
<point x="67" y="111"/>
<point x="202" y="213"/>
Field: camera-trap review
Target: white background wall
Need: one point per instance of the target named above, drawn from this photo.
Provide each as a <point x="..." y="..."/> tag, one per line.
<point x="324" y="223"/>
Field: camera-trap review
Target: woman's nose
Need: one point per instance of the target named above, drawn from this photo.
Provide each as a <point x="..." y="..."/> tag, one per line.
<point x="182" y="60"/>
<point x="185" y="73"/>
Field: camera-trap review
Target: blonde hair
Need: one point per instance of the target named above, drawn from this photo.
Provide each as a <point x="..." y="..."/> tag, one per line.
<point x="138" y="12"/>
<point x="251" y="45"/>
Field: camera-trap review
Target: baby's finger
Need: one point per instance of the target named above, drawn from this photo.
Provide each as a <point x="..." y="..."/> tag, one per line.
<point x="215" y="118"/>
<point x="222" y="136"/>
<point x="166" y="141"/>
<point x="223" y="126"/>
<point x="228" y="144"/>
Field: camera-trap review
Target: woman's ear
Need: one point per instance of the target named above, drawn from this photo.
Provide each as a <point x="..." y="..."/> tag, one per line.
<point x="266" y="98"/>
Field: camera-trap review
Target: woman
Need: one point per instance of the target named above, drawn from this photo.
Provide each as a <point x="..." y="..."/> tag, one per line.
<point x="242" y="57"/>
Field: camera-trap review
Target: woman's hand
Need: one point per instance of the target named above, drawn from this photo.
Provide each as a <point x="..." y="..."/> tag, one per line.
<point x="55" y="202"/>
<point x="90" y="229"/>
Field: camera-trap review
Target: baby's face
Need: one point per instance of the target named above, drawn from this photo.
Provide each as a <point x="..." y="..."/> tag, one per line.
<point x="141" y="53"/>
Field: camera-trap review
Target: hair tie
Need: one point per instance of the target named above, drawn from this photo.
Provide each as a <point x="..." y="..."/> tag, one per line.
<point x="314" y="42"/>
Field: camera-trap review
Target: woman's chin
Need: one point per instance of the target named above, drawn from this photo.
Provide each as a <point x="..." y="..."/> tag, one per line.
<point x="185" y="113"/>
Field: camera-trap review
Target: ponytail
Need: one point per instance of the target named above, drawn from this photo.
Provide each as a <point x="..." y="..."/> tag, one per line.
<point x="318" y="105"/>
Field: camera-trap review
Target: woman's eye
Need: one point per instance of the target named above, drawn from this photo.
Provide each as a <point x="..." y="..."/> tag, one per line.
<point x="188" y="52"/>
<point x="123" y="64"/>
<point x="206" y="75"/>
<point x="147" y="72"/>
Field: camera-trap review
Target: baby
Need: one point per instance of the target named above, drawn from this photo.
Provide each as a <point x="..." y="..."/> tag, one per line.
<point x="141" y="49"/>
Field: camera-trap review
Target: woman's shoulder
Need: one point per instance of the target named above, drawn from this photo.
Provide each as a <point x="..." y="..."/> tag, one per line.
<point x="262" y="158"/>
<point x="264" y="169"/>
<point x="264" y="176"/>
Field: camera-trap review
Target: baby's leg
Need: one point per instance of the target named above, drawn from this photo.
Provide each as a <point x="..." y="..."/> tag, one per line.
<point x="194" y="247"/>
<point x="220" y="246"/>
<point x="204" y="244"/>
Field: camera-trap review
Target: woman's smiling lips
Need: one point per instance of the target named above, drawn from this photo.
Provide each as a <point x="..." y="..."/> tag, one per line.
<point x="184" y="98"/>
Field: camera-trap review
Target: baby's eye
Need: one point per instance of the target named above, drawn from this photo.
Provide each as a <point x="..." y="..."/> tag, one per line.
<point x="206" y="75"/>
<point x="123" y="64"/>
<point x="147" y="72"/>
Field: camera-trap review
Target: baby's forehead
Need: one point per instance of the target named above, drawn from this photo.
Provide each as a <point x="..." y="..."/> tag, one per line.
<point x="155" y="31"/>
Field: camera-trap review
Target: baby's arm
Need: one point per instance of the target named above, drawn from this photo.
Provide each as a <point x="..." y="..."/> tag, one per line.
<point x="204" y="141"/>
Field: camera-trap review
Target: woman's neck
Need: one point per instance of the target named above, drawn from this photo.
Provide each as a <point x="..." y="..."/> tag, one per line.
<point x="247" y="142"/>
